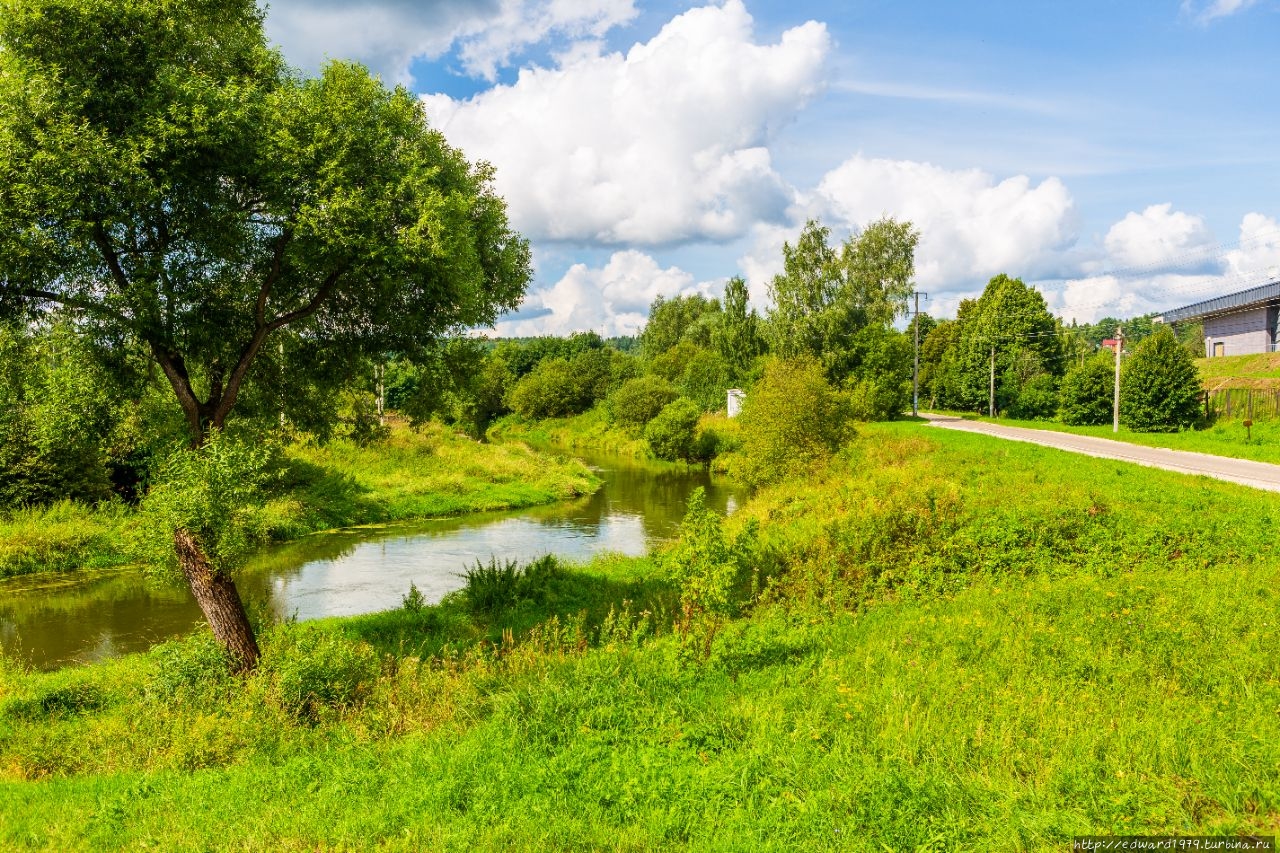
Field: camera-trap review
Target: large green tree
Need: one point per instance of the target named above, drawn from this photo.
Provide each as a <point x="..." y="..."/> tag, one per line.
<point x="1012" y="320"/>
<point x="165" y="176"/>
<point x="691" y="318"/>
<point x="737" y="338"/>
<point x="824" y="295"/>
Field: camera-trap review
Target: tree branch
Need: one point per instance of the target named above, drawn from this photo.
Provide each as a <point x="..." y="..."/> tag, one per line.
<point x="323" y="293"/>
<point x="175" y="369"/>
<point x="103" y="241"/>
<point x="264" y="292"/>
<point x="72" y="302"/>
<point x="250" y="351"/>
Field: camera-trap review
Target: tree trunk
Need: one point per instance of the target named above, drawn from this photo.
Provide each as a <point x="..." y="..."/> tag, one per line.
<point x="219" y="601"/>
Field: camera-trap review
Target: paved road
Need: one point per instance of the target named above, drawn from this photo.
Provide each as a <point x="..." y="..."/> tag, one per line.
<point x="1259" y="475"/>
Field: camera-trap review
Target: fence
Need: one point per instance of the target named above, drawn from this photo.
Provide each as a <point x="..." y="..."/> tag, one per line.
<point x="1241" y="403"/>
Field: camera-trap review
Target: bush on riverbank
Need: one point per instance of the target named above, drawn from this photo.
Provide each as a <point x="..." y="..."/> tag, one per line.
<point x="925" y="660"/>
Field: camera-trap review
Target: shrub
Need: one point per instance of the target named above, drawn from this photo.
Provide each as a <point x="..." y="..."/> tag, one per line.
<point x="710" y="567"/>
<point x="502" y="586"/>
<point x="559" y="387"/>
<point x="1160" y="387"/>
<point x="639" y="400"/>
<point x="876" y="369"/>
<point x="673" y="434"/>
<point x="190" y="664"/>
<point x="1037" y="399"/>
<point x="791" y="420"/>
<point x="549" y="391"/>
<point x="1087" y="393"/>
<point x="311" y="670"/>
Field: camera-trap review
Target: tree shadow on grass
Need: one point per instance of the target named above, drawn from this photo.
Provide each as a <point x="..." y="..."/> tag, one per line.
<point x="332" y="498"/>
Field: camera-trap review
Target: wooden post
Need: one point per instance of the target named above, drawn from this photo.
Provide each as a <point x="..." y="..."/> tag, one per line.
<point x="1115" y="408"/>
<point x="991" y="400"/>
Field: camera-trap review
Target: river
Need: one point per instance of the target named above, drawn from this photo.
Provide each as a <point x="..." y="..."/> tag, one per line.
<point x="57" y="620"/>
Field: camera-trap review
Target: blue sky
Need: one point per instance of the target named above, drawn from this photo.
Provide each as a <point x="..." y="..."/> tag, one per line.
<point x="1121" y="155"/>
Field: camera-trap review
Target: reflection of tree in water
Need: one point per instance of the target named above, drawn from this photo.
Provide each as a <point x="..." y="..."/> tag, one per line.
<point x="658" y="494"/>
<point x="123" y="613"/>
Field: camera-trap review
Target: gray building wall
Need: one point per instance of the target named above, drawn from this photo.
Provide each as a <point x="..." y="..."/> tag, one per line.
<point x="1240" y="333"/>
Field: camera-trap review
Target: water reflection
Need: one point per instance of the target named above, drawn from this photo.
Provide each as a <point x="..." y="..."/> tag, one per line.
<point x="341" y="573"/>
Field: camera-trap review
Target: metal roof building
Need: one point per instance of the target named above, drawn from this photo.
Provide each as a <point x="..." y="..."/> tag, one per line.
<point x="1241" y="323"/>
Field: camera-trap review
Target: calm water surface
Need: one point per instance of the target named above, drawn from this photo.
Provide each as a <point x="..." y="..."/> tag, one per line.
<point x="67" y="619"/>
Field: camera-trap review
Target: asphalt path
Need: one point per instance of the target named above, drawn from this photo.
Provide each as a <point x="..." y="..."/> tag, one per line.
<point x="1259" y="475"/>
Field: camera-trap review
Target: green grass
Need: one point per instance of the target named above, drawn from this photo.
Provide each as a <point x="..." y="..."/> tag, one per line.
<point x="1222" y="438"/>
<point x="61" y="537"/>
<point x="427" y="473"/>
<point x="1246" y="368"/>
<point x="963" y="644"/>
<point x="591" y="430"/>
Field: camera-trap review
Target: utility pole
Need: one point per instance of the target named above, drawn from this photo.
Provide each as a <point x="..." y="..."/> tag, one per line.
<point x="1115" y="408"/>
<point x="991" y="402"/>
<point x="915" y="366"/>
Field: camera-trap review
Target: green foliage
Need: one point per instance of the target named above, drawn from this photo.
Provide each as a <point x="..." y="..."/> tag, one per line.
<point x="638" y="401"/>
<point x="314" y="672"/>
<point x="877" y="367"/>
<point x="671" y="364"/>
<point x="62" y="536"/>
<point x="823" y="297"/>
<point x="1159" y="386"/>
<point x="1035" y="398"/>
<point x="1013" y="319"/>
<point x="691" y="319"/>
<point x="262" y="233"/>
<point x="792" y="421"/>
<point x="738" y="338"/>
<point x="673" y="434"/>
<point x="212" y="492"/>
<point x="413" y="601"/>
<point x="559" y="387"/>
<point x="189" y="667"/>
<point x="59" y="409"/>
<point x="706" y="380"/>
<point x="1087" y="393"/>
<point x="711" y="567"/>
<point x="497" y="587"/>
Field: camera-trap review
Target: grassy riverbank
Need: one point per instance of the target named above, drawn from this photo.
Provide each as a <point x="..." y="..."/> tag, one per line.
<point x="423" y="473"/>
<point x="962" y="643"/>
<point x="591" y="431"/>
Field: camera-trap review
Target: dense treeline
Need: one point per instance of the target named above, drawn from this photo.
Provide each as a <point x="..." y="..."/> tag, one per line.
<point x="88" y="419"/>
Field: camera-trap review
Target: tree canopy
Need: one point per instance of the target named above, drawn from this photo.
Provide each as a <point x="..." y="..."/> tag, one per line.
<point x="824" y="296"/>
<point x="165" y="175"/>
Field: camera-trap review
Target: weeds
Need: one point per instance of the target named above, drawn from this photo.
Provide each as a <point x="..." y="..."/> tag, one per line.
<point x="496" y="587"/>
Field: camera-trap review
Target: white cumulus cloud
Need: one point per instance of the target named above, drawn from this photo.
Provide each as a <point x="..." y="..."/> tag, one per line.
<point x="612" y="300"/>
<point x="388" y="35"/>
<point x="1158" y="237"/>
<point x="666" y="143"/>
<point x="1162" y="258"/>
<point x="972" y="226"/>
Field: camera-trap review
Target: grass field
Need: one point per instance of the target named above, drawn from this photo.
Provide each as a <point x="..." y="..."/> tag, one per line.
<point x="1261" y="370"/>
<point x="1224" y="438"/>
<point x="955" y="643"/>
<point x="430" y="472"/>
